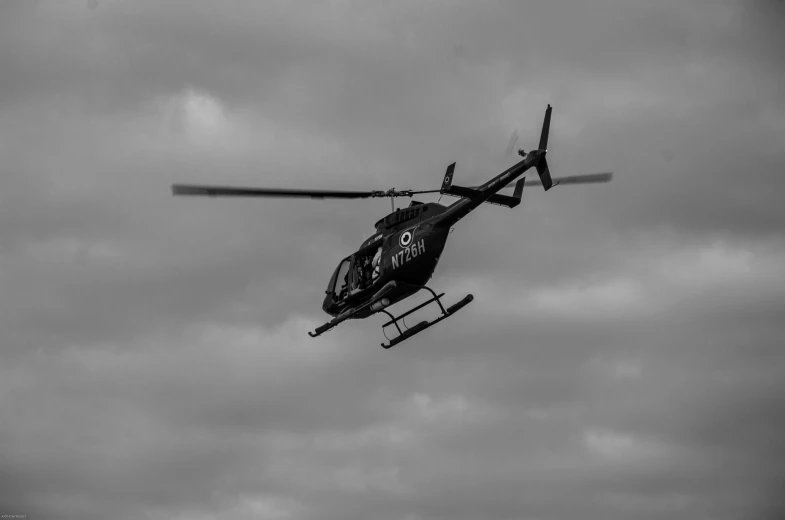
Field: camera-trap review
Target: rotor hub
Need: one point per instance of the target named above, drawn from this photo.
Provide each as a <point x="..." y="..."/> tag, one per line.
<point x="392" y="192"/>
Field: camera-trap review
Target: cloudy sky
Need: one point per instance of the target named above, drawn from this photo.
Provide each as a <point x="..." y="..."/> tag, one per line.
<point x="623" y="357"/>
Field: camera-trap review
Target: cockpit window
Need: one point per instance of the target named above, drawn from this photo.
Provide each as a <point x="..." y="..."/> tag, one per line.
<point x="340" y="281"/>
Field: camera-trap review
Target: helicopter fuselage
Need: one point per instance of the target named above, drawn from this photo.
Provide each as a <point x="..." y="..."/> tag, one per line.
<point x="410" y="251"/>
<point x="409" y="243"/>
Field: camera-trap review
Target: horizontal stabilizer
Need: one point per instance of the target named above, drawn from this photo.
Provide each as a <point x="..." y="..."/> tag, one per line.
<point x="460" y="191"/>
<point x="500" y="200"/>
<point x="506" y="200"/>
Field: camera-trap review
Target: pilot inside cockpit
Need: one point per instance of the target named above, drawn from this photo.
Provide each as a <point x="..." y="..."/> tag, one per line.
<point x="366" y="271"/>
<point x="359" y="271"/>
<point x="376" y="263"/>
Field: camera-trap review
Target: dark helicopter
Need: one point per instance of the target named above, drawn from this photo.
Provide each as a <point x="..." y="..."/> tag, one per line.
<point x="400" y="258"/>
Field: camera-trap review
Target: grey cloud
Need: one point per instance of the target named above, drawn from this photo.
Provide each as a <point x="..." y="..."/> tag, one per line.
<point x="154" y="353"/>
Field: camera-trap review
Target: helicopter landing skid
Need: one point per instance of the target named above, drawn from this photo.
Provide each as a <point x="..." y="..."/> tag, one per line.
<point x="409" y="332"/>
<point x="348" y="313"/>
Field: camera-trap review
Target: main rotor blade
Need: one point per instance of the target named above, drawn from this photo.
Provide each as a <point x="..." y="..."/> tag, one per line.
<point x="424" y="191"/>
<point x="228" y="191"/>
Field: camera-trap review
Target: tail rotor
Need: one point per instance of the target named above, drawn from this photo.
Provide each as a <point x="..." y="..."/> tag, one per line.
<point x="513" y="142"/>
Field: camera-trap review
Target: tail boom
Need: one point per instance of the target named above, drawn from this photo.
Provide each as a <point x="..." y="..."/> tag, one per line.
<point x="474" y="197"/>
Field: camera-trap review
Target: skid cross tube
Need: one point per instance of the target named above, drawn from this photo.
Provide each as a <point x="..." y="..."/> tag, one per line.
<point x="409" y="332"/>
<point x="434" y="299"/>
<point x="393" y="320"/>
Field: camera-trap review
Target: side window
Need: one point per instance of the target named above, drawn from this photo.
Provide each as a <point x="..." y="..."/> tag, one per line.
<point x="407" y="214"/>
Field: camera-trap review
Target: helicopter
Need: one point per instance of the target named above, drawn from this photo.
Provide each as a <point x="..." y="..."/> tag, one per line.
<point x="401" y="256"/>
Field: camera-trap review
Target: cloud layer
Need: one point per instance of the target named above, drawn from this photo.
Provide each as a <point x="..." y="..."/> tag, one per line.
<point x="623" y="355"/>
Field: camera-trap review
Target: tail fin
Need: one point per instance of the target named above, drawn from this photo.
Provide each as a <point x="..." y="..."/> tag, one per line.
<point x="542" y="163"/>
<point x="545" y="173"/>
<point x="448" y="178"/>
<point x="546" y="125"/>
<point x="518" y="193"/>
